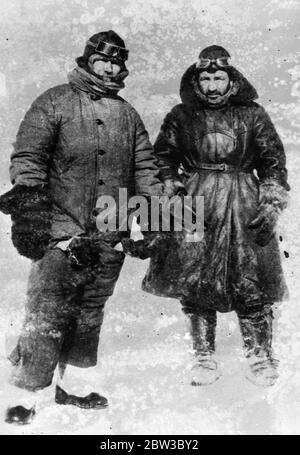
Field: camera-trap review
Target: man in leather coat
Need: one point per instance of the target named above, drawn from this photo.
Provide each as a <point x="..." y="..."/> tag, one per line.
<point x="220" y="144"/>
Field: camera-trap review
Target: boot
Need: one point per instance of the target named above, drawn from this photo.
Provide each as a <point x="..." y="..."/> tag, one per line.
<point x="202" y="328"/>
<point x="19" y="415"/>
<point x="256" y="329"/>
<point x="91" y="401"/>
<point x="22" y="405"/>
<point x="73" y="376"/>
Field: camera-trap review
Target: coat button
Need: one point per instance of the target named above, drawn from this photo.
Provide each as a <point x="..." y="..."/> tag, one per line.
<point x="95" y="212"/>
<point x="99" y="121"/>
<point x="100" y="182"/>
<point x="101" y="152"/>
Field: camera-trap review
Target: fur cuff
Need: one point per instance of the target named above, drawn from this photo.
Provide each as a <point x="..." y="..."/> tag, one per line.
<point x="271" y="193"/>
<point x="172" y="187"/>
<point x="21" y="199"/>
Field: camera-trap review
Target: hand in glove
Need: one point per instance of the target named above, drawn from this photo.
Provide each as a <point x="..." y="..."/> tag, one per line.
<point x="83" y="252"/>
<point x="272" y="200"/>
<point x="173" y="187"/>
<point x="31" y="215"/>
<point x="141" y="249"/>
<point x="176" y="188"/>
<point x="86" y="252"/>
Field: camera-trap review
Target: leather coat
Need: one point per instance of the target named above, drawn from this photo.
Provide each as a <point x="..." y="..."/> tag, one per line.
<point x="223" y="155"/>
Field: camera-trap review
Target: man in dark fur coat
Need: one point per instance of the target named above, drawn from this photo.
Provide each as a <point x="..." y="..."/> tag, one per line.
<point x="220" y="144"/>
<point x="77" y="142"/>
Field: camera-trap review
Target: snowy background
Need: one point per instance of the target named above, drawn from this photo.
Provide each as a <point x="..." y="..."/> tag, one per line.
<point x="145" y="352"/>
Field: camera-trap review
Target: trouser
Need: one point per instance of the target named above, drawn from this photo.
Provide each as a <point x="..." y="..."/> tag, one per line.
<point x="255" y="324"/>
<point x="64" y="314"/>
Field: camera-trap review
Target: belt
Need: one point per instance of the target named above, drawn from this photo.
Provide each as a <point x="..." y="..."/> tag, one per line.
<point x="222" y="167"/>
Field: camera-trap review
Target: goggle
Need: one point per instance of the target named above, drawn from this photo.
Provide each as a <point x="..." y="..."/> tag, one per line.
<point x="220" y="62"/>
<point x="110" y="50"/>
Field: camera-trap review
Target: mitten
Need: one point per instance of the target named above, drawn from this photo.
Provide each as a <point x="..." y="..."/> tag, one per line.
<point x="273" y="199"/>
<point x="31" y="214"/>
<point x="83" y="252"/>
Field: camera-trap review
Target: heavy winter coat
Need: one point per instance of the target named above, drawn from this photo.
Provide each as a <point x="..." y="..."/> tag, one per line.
<point x="83" y="146"/>
<point x="227" y="268"/>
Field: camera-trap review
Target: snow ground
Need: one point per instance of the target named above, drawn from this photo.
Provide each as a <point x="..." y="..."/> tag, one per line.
<point x="145" y="359"/>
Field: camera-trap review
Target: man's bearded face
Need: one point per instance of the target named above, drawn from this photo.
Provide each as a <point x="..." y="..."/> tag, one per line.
<point x="214" y="85"/>
<point x="103" y="67"/>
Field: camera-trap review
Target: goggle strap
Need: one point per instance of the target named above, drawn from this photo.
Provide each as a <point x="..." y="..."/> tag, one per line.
<point x="110" y="50"/>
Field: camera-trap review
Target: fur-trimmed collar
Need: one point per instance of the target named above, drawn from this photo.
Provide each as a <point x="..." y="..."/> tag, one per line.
<point x="190" y="91"/>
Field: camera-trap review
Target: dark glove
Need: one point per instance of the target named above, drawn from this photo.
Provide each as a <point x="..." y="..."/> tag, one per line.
<point x="272" y="200"/>
<point x="176" y="188"/>
<point x="83" y="252"/>
<point x="142" y="249"/>
<point x="135" y="249"/>
<point x="31" y="214"/>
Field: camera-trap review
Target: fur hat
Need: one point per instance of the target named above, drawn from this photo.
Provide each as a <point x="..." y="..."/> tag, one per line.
<point x="108" y="37"/>
<point x="213" y="52"/>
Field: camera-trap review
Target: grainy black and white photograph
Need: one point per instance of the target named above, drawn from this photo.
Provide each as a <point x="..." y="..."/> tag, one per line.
<point x="149" y="217"/>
